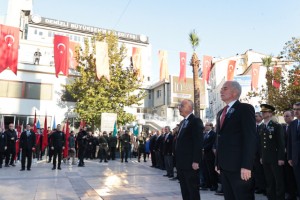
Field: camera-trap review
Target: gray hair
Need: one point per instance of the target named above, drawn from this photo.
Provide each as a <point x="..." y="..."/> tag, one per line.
<point x="297" y="104"/>
<point x="237" y="87"/>
<point x="191" y="103"/>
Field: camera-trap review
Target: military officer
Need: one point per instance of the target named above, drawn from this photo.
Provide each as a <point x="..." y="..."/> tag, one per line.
<point x="272" y="149"/>
<point x="141" y="147"/>
<point x="125" y="145"/>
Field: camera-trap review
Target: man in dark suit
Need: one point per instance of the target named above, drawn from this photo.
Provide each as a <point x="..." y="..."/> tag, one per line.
<point x="289" y="177"/>
<point x="167" y="152"/>
<point x="272" y="153"/>
<point x="209" y="173"/>
<point x="3" y="145"/>
<point x="188" y="151"/>
<point x="10" y="153"/>
<point x="236" y="144"/>
<point x="27" y="145"/>
<point x="152" y="149"/>
<point x="57" y="145"/>
<point x="294" y="144"/>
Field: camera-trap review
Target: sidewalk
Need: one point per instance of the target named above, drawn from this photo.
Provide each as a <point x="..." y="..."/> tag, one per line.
<point x="109" y="181"/>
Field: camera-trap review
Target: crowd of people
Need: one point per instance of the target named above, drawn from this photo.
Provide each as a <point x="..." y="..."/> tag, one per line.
<point x="244" y="153"/>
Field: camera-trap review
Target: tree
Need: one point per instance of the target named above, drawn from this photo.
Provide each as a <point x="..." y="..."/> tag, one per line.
<point x="194" y="40"/>
<point x="287" y="94"/>
<point x="94" y="96"/>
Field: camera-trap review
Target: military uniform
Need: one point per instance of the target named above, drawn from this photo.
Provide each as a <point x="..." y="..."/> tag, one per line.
<point x="272" y="150"/>
<point x="141" y="148"/>
<point x="103" y="148"/>
<point x="125" y="146"/>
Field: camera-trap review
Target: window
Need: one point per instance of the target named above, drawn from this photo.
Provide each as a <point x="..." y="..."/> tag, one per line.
<point x="40" y="33"/>
<point x="49" y="34"/>
<point x="158" y="93"/>
<point x="35" y="31"/>
<point x="149" y="94"/>
<point x="18" y="89"/>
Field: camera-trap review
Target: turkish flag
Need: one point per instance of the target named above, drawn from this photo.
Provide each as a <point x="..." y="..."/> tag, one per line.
<point x="34" y="123"/>
<point x="45" y="135"/>
<point x="72" y="48"/>
<point x="9" y="45"/>
<point x="230" y="70"/>
<point x="182" y="74"/>
<point x="61" y="54"/>
<point x="163" y="65"/>
<point x="255" y="76"/>
<point x="137" y="60"/>
<point x="296" y="77"/>
<point x="67" y="135"/>
<point x="276" y="81"/>
<point x="206" y="68"/>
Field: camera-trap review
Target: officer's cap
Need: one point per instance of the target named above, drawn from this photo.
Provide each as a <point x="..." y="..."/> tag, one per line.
<point x="267" y="108"/>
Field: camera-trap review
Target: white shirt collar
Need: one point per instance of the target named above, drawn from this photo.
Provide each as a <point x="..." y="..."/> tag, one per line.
<point x="230" y="105"/>
<point x="188" y="116"/>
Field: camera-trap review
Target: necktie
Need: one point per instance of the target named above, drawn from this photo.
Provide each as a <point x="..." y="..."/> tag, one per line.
<point x="223" y="116"/>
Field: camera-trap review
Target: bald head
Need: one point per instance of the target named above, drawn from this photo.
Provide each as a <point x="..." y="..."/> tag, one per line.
<point x="186" y="107"/>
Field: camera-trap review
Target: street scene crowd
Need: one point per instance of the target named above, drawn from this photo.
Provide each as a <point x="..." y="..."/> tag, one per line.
<point x="275" y="170"/>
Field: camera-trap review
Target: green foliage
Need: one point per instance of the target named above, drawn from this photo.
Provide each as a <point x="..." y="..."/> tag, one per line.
<point x="194" y="39"/>
<point x="291" y="50"/>
<point x="94" y="96"/>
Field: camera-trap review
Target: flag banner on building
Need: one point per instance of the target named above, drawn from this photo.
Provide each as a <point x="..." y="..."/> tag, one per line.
<point x="54" y="123"/>
<point x="34" y="123"/>
<point x="102" y="60"/>
<point x="255" y="76"/>
<point x="136" y="130"/>
<point x="137" y="60"/>
<point x="45" y="135"/>
<point x="115" y="129"/>
<point x="9" y="45"/>
<point x="72" y="51"/>
<point x="61" y="54"/>
<point x="182" y="73"/>
<point x="67" y="135"/>
<point x="277" y="76"/>
<point x="230" y="70"/>
<point x="207" y="62"/>
<point x="163" y="65"/>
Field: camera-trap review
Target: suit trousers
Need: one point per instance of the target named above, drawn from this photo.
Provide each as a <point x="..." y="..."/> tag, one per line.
<point x="289" y="180"/>
<point x="1" y="157"/>
<point x="235" y="188"/>
<point x="209" y="173"/>
<point x="275" y="181"/>
<point x="189" y="184"/>
<point x="81" y="152"/>
<point x="169" y="164"/>
<point x="153" y="159"/>
<point x="26" y="153"/>
<point x="10" y="154"/>
<point x="57" y="153"/>
<point x="259" y="175"/>
<point x="297" y="176"/>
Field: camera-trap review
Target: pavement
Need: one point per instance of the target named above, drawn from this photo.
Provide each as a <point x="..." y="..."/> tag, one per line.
<point x="109" y="181"/>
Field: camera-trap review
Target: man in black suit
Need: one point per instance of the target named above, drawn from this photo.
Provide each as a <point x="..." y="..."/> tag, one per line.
<point x="294" y="144"/>
<point x="236" y="144"/>
<point x="167" y="152"/>
<point x="3" y="145"/>
<point x="289" y="177"/>
<point x="57" y="145"/>
<point x="188" y="153"/>
<point x="152" y="149"/>
<point x="27" y="145"/>
<point x="209" y="173"/>
<point x="10" y="153"/>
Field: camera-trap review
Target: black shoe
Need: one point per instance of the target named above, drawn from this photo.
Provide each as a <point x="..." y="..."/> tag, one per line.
<point x="6" y="165"/>
<point x="0" y="166"/>
<point x="28" y="169"/>
<point x="139" y="161"/>
<point x="100" y="160"/>
<point x="105" y="161"/>
<point x="53" y="168"/>
<point x="221" y="193"/>
<point x="145" y="160"/>
<point x="170" y="176"/>
<point x="22" y="169"/>
<point x="173" y="179"/>
<point x="59" y="168"/>
<point x="12" y="164"/>
<point x="49" y="161"/>
<point x="203" y="188"/>
<point x="121" y="161"/>
<point x="214" y="188"/>
<point x="259" y="191"/>
<point x="126" y="161"/>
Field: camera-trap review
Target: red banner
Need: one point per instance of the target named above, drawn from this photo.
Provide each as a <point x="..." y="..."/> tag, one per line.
<point x="163" y="65"/>
<point x="182" y="74"/>
<point x="73" y="61"/>
<point x="45" y="135"/>
<point x="255" y="76"/>
<point x="206" y="68"/>
<point x="9" y="45"/>
<point x="34" y="123"/>
<point x="230" y="70"/>
<point x="61" y="54"/>
<point x="67" y="135"/>
<point x="277" y="75"/>
<point x="296" y="77"/>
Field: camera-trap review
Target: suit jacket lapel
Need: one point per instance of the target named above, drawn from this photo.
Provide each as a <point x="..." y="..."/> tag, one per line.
<point x="229" y="113"/>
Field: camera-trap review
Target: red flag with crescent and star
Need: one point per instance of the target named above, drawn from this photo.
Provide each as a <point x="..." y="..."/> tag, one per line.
<point x="206" y="68"/>
<point x="182" y="73"/>
<point x="255" y="76"/>
<point x="9" y="45"/>
<point x="61" y="54"/>
<point x="45" y="135"/>
<point x="67" y="135"/>
<point x="230" y="70"/>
